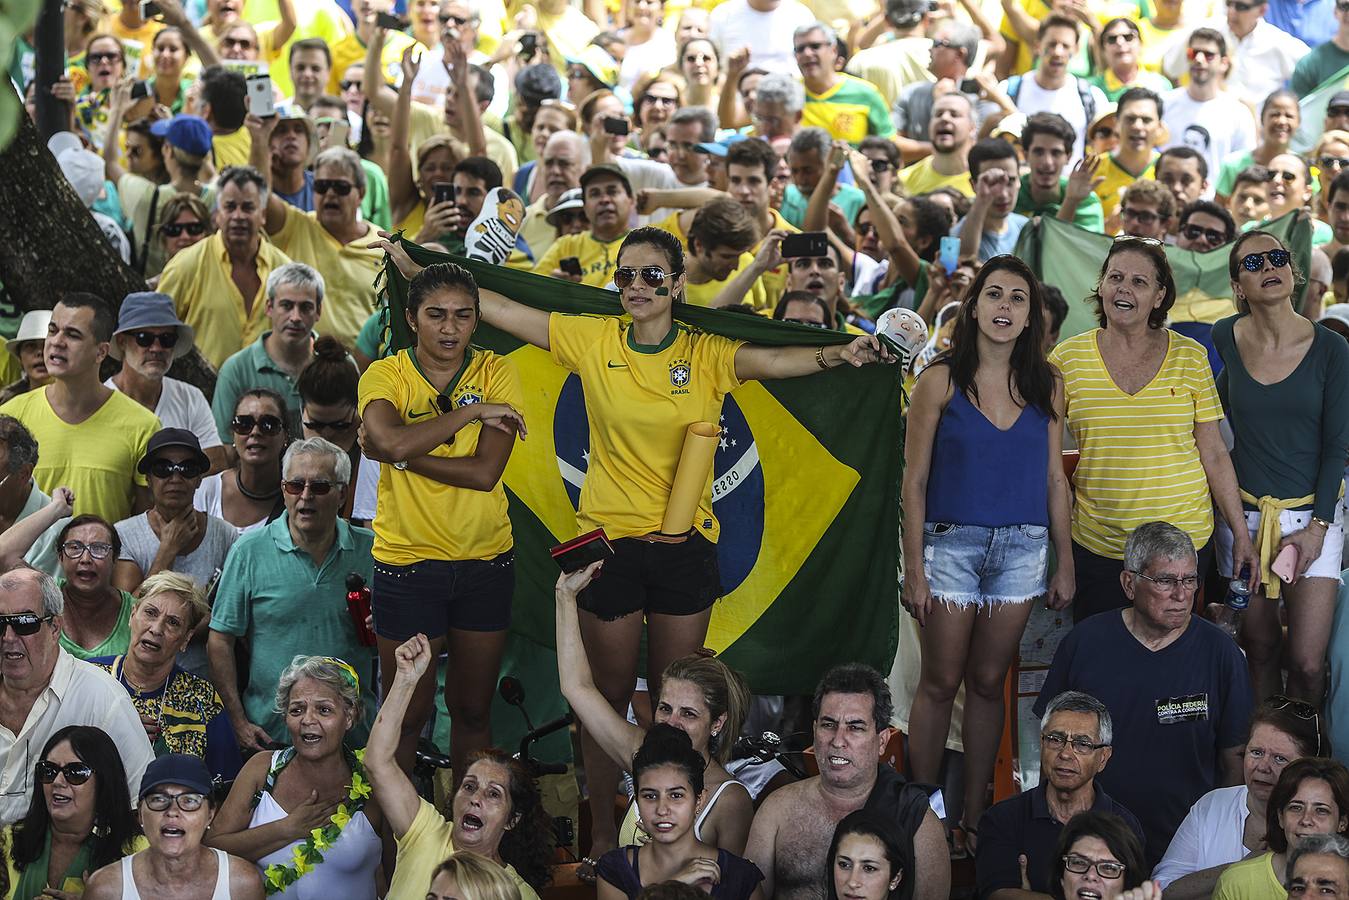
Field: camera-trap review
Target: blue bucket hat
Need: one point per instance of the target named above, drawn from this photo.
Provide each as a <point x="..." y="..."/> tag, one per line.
<point x="151" y="309"/>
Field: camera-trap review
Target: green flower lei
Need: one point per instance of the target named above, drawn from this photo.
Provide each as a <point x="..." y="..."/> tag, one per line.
<point x="310" y="853"/>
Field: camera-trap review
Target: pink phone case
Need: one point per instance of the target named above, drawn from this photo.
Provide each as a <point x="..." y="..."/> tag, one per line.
<point x="1285" y="564"/>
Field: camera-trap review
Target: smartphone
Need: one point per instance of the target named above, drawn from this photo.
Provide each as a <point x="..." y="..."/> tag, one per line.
<point x="150" y="10"/>
<point x="950" y="253"/>
<point x="969" y="86"/>
<point x="338" y="132"/>
<point x="443" y="192"/>
<point x="529" y="45"/>
<point x="580" y="552"/>
<point x="571" y="265"/>
<point x="139" y="89"/>
<point x="389" y="21"/>
<point x="807" y="243"/>
<point x="1285" y="564"/>
<point x="615" y="125"/>
<point x="261" y="99"/>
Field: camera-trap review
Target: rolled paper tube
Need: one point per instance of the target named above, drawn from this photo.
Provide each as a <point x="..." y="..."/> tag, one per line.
<point x="690" y="481"/>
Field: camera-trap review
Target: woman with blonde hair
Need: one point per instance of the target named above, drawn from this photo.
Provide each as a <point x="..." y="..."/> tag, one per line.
<point x="468" y="876"/>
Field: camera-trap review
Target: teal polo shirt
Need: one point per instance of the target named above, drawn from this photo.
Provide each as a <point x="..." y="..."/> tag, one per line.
<point x="252" y="368"/>
<point x="848" y="198"/>
<point x="1089" y="214"/>
<point x="273" y="596"/>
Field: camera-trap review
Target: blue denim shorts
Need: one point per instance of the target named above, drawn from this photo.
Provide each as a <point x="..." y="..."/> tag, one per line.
<point x="972" y="565"/>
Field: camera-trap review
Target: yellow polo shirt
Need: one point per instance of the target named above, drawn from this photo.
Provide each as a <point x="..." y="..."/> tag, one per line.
<point x="429" y="840"/>
<point x="598" y="258"/>
<point x="921" y="178"/>
<point x="349" y="270"/>
<point x="231" y="149"/>
<point x="427" y="121"/>
<point x="206" y="297"/>
<point x="1117" y="178"/>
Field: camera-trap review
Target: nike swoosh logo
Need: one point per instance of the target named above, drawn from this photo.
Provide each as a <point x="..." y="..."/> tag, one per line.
<point x="614" y="365"/>
<point x="418" y="415"/>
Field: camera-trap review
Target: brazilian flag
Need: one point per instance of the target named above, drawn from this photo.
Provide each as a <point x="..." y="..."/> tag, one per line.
<point x="1069" y="257"/>
<point x="806" y="485"/>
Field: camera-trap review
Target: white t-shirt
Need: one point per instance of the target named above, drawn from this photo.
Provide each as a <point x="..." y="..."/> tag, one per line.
<point x="647" y="174"/>
<point x="367" y="490"/>
<point x="1066" y="101"/>
<point x="767" y="34"/>
<point x="652" y="56"/>
<point x="1215" y="128"/>
<point x="182" y="405"/>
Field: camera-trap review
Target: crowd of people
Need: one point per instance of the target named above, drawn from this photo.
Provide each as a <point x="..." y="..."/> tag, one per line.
<point x="229" y="617"/>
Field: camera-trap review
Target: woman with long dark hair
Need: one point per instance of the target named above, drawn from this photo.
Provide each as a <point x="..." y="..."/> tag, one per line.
<point x="869" y="858"/>
<point x="248" y="495"/>
<point x="327" y="386"/>
<point x="976" y="535"/>
<point x="79" y="818"/>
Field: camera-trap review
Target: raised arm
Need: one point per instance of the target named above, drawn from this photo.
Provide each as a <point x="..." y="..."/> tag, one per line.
<point x="817" y="210"/>
<point x="397" y="797"/>
<point x="403" y="194"/>
<point x="260" y="158"/>
<point x="376" y="90"/>
<point x="175" y="15"/>
<point x="19" y="538"/>
<point x="469" y="121"/>
<point x="618" y="737"/>
<point x="286" y="27"/>
<point x="904" y="260"/>
<point x="118" y="103"/>
<point x="765" y="260"/>
<point x="754" y="362"/>
<point x="525" y="322"/>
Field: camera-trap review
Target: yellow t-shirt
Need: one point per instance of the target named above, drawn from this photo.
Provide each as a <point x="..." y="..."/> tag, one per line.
<point x="412" y="223"/>
<point x="97" y="458"/>
<point x="536" y="231"/>
<point x="429" y="840"/>
<point x="1039" y="10"/>
<point x="231" y="149"/>
<point x="1117" y="178"/>
<point x="349" y="271"/>
<point x="420" y="518"/>
<point x="598" y="258"/>
<point x="427" y="121"/>
<point x="703" y="294"/>
<point x="136" y="43"/>
<point x="1139" y="460"/>
<point x="206" y="297"/>
<point x="349" y="50"/>
<point x="921" y="178"/>
<point x="1249" y="879"/>
<point x="640" y="401"/>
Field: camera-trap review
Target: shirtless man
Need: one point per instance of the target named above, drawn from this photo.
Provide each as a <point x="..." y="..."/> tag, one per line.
<point x="790" y="837"/>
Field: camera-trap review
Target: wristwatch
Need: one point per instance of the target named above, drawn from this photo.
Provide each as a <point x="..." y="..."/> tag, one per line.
<point x="401" y="465"/>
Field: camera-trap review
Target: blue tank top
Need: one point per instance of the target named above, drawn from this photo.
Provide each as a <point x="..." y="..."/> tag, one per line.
<point x="983" y="476"/>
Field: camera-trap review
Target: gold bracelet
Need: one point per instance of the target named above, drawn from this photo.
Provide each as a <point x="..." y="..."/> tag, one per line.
<point x="1322" y="522"/>
<point x="819" y="358"/>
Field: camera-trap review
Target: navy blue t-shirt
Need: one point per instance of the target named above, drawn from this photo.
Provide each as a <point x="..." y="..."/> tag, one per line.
<point x="1173" y="711"/>
<point x="303" y="199"/>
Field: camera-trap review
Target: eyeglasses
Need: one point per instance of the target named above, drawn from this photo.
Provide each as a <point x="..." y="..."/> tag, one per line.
<point x="106" y="56"/>
<point x="75" y="772"/>
<point x="348" y="84"/>
<point x="76" y="549"/>
<point x="806" y="322"/>
<point x="268" y="425"/>
<point x="1333" y="162"/>
<point x="653" y="276"/>
<point x="459" y="21"/>
<point x="242" y="43"/>
<point x="1304" y="711"/>
<point x="148" y="339"/>
<point x="1141" y="216"/>
<point x="185" y="802"/>
<point x="1195" y="53"/>
<point x="1120" y="37"/>
<point x="1107" y="869"/>
<point x="941" y="42"/>
<point x="1342" y="7"/>
<point x="317" y="486"/>
<point x="163" y="469"/>
<point x="1101" y="134"/>
<point x="338" y="187"/>
<point x="817" y="46"/>
<point x="1170" y="582"/>
<point x="1254" y="262"/>
<point x="1285" y="176"/>
<point x="864" y="228"/>
<point x="314" y="425"/>
<point x="1056" y="741"/>
<point x="1195" y="232"/>
<point x="1241" y="7"/>
<point x="24" y="624"/>
<point x="174" y="229"/>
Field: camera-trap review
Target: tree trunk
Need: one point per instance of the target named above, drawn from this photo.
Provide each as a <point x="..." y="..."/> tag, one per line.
<point x="50" y="244"/>
<point x="49" y="45"/>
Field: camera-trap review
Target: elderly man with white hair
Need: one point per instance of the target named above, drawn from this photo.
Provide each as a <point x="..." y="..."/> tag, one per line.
<point x="565" y="157"/>
<point x="43" y="689"/>
<point x="1319" y="866"/>
<point x="284" y="591"/>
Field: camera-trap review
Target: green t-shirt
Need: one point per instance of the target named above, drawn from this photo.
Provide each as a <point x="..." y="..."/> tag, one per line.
<point x="848" y="198"/>
<point x="1232" y="166"/>
<point x="1088" y="215"/>
<point x="375" y="204"/>
<point x="1317" y="67"/>
<point x="897" y="294"/>
<point x="115" y="643"/>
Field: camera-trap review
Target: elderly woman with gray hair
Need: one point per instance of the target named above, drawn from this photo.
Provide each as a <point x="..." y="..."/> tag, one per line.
<point x="305" y="814"/>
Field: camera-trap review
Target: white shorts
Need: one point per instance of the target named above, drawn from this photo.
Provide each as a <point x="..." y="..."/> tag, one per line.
<point x="1327" y="565"/>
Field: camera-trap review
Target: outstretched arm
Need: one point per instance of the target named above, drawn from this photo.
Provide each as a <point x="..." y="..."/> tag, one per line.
<point x="19" y="538"/>
<point x="754" y="362"/>
<point x="397" y="797"/>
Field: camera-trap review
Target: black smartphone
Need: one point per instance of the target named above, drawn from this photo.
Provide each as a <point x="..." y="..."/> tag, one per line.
<point x="150" y="10"/>
<point x="580" y="552"/>
<point x="443" y="192"/>
<point x="529" y="45"/>
<point x="140" y="89"/>
<point x="571" y="265"/>
<point x="390" y="21"/>
<point x="615" y="125"/>
<point x="969" y="86"/>
<point x="807" y="243"/>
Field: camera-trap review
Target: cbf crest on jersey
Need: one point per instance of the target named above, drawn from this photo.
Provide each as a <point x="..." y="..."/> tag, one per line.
<point x="680" y="373"/>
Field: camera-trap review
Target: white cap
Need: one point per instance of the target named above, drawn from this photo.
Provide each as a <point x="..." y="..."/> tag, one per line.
<point x="84" y="170"/>
<point x="62" y="141"/>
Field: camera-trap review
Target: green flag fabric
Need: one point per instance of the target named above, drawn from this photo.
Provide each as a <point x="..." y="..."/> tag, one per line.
<point x="805" y="483"/>
<point x="1069" y="257"/>
<point x="1313" y="111"/>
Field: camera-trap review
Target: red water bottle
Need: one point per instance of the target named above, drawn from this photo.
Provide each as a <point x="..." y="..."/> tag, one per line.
<point x="358" y="606"/>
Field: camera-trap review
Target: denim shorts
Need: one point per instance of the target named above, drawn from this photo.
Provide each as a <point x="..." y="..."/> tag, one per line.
<point x="433" y="596"/>
<point x="970" y="565"/>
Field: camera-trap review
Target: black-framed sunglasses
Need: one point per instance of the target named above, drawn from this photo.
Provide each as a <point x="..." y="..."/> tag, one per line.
<point x="24" y="624"/>
<point x="175" y="229"/>
<point x="75" y="772"/>
<point x="268" y="425"/>
<point x="105" y="56"/>
<point x="879" y="166"/>
<point x="1195" y="232"/>
<point x="1241" y="7"/>
<point x="1120" y="37"/>
<point x="1301" y="709"/>
<point x="76" y="549"/>
<point x="653" y="276"/>
<point x="148" y="339"/>
<point x="185" y="802"/>
<point x="1254" y="262"/>
<point x="348" y="83"/>
<point x="1107" y="869"/>
<point x="316" y="425"/>
<point x="317" y="486"/>
<point x="459" y="21"/>
<point x="1195" y="52"/>
<point x="1333" y="162"/>
<point x="337" y="186"/>
<point x="189" y="469"/>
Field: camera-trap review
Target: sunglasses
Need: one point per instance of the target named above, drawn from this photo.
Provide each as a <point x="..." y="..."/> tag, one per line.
<point x="241" y="43"/>
<point x="24" y="624"/>
<point x="103" y="57"/>
<point x="879" y="166"/>
<point x="806" y="322"/>
<point x="185" y="802"/>
<point x="1304" y="711"/>
<point x="1121" y="37"/>
<point x="76" y="549"/>
<point x="268" y="425"/>
<point x="1333" y="162"/>
<point x="865" y="229"/>
<point x="1195" y="232"/>
<point x="1254" y="262"/>
<point x="653" y="276"/>
<point x="1282" y="175"/>
<point x="817" y="46"/>
<point x="148" y="339"/>
<point x="1342" y="7"/>
<point x="1141" y="216"/>
<point x="314" y="425"/>
<point x="75" y="772"/>
<point x="317" y="486"/>
<point x="340" y="188"/>
<point x="348" y="84"/>
<point x="1241" y="7"/>
<point x="189" y="469"/>
<point x="458" y="21"/>
<point x="1195" y="53"/>
<point x="174" y="229"/>
<point x="1128" y="238"/>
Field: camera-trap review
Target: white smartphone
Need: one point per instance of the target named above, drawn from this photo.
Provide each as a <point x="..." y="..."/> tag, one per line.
<point x="261" y="100"/>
